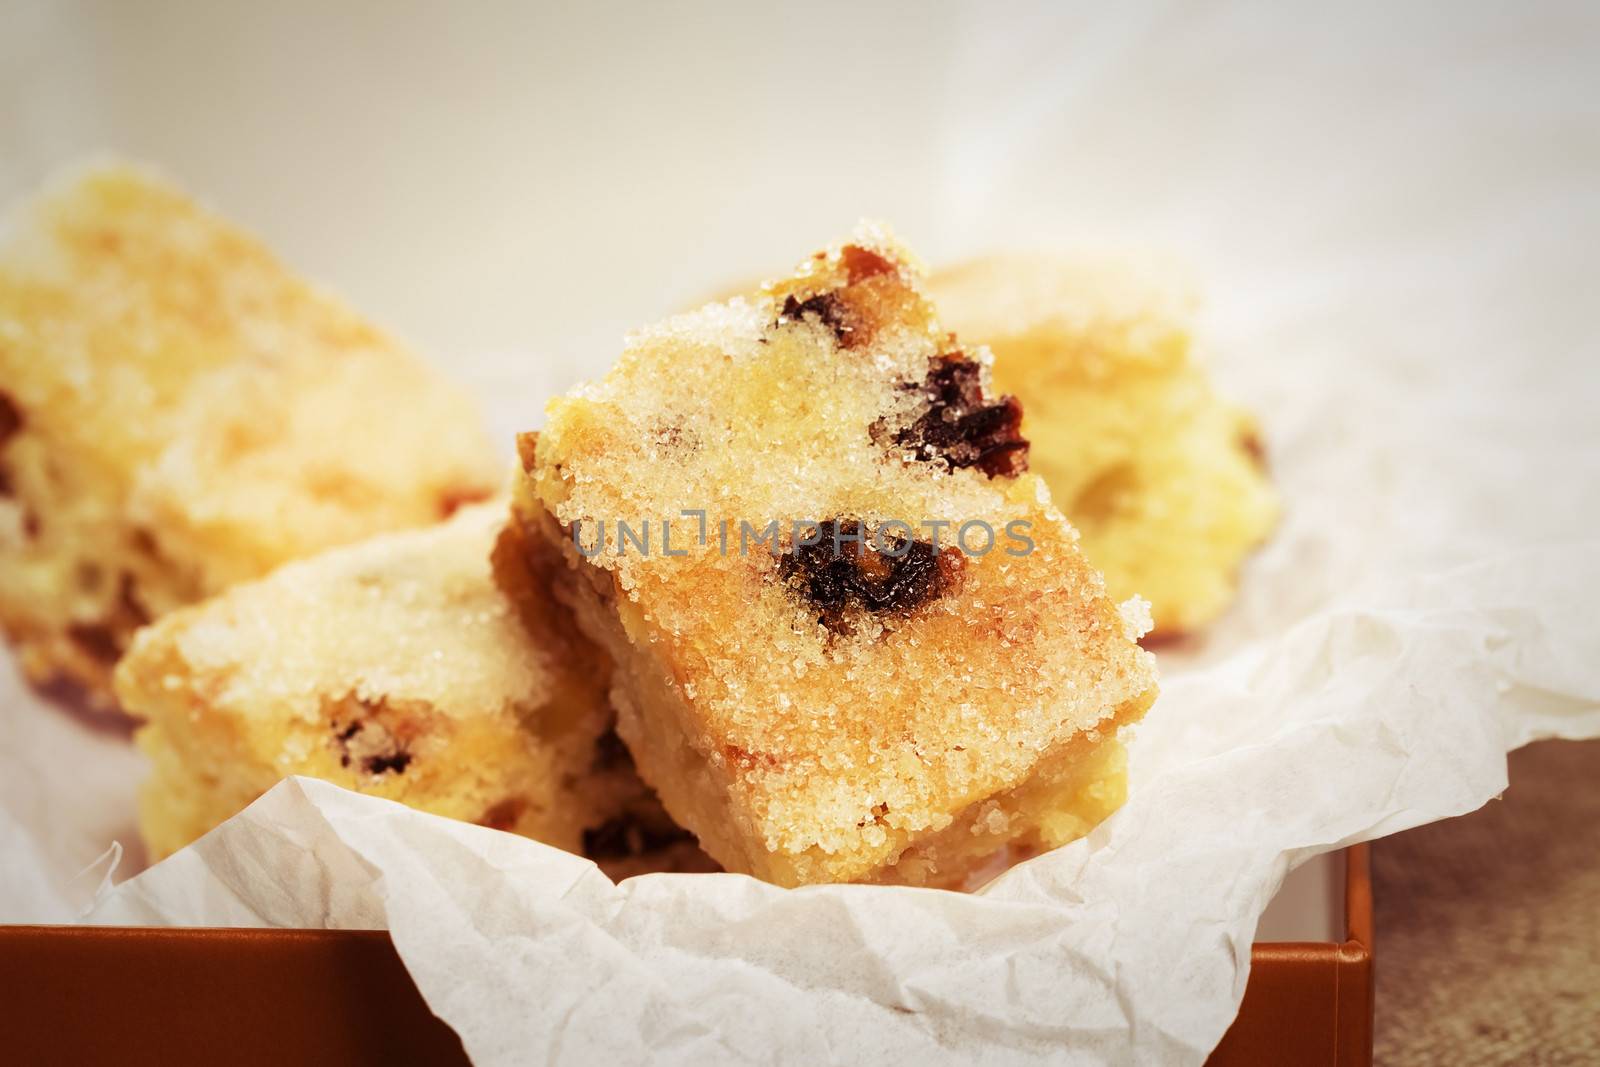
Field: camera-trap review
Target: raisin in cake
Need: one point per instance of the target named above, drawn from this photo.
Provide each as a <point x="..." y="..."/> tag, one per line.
<point x="396" y="667"/>
<point x="1164" y="480"/>
<point x="178" y="412"/>
<point x="813" y="707"/>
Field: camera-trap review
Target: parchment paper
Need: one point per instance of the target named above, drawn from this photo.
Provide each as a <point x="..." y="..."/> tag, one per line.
<point x="1395" y="214"/>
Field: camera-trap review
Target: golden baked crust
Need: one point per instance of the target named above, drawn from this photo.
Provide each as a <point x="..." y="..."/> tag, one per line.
<point x="1165" y="480"/>
<point x="178" y="412"/>
<point x="878" y="723"/>
<point x="395" y="667"/>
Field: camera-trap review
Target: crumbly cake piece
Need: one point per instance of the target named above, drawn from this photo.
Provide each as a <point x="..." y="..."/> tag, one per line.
<point x="894" y="713"/>
<point x="396" y="667"/>
<point x="1165" y="480"/>
<point x="179" y="412"/>
<point x="638" y="837"/>
<point x="628" y="832"/>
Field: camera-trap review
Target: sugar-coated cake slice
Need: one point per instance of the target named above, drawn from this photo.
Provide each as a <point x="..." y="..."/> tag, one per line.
<point x="1165" y="480"/>
<point x="179" y="412"/>
<point x="396" y="667"/>
<point x="812" y="708"/>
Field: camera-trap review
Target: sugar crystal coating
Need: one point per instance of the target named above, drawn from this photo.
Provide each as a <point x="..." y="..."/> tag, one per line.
<point x="397" y="667"/>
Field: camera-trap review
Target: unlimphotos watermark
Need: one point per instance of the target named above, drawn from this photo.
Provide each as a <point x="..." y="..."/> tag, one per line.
<point x="891" y="537"/>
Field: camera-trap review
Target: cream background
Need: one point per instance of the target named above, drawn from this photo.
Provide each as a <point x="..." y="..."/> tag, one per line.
<point x="497" y="178"/>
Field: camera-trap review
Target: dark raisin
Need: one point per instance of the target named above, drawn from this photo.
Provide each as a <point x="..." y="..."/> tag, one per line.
<point x="828" y="309"/>
<point x="609" y="839"/>
<point x="629" y="835"/>
<point x="962" y="426"/>
<point x="10" y="418"/>
<point x="375" y="750"/>
<point x="343" y="737"/>
<point x="103" y="639"/>
<point x="855" y="311"/>
<point x="396" y="761"/>
<point x="844" y="570"/>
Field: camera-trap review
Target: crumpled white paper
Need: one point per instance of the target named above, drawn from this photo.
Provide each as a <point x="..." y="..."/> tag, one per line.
<point x="1129" y="946"/>
<point x="1394" y="213"/>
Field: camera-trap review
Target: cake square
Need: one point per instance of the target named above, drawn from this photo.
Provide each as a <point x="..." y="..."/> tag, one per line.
<point x="179" y="412"/>
<point x="853" y="640"/>
<point x="397" y="667"/>
<point x="1165" y="480"/>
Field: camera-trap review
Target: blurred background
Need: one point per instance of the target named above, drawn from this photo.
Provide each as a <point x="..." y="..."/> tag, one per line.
<point x="497" y="178"/>
<point x="1390" y="207"/>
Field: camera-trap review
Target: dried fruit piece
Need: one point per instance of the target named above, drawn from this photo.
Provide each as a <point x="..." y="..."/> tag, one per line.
<point x="627" y="836"/>
<point x="872" y="297"/>
<point x="370" y="744"/>
<point x="845" y="569"/>
<point x="962" y="426"/>
<point x="10" y="423"/>
<point x="10" y="418"/>
<point x="390" y="761"/>
<point x="827" y="309"/>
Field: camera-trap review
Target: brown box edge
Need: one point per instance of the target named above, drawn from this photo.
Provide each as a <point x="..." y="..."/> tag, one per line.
<point x="132" y="996"/>
<point x="1311" y="1002"/>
